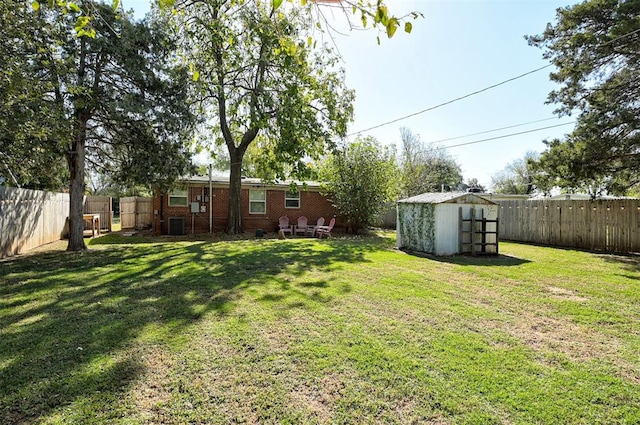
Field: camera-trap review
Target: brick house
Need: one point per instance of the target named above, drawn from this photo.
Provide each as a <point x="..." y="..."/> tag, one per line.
<point x="186" y="209"/>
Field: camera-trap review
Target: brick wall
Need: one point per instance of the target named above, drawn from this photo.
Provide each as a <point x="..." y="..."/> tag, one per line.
<point x="194" y="223"/>
<point x="312" y="205"/>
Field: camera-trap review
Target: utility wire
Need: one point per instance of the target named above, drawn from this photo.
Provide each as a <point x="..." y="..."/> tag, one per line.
<point x="503" y="136"/>
<point x="493" y="130"/>
<point x="619" y="37"/>
<point x="450" y="101"/>
<point x="481" y="90"/>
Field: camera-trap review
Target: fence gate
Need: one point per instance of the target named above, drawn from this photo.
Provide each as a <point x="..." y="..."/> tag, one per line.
<point x="136" y="212"/>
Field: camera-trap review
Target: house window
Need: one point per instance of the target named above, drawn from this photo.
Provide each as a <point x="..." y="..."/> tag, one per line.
<point x="257" y="201"/>
<point x="292" y="200"/>
<point x="178" y="198"/>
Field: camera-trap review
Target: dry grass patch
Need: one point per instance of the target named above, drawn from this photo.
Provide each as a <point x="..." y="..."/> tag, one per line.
<point x="152" y="391"/>
<point x="566" y="294"/>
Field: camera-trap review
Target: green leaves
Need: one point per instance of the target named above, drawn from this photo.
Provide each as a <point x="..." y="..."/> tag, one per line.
<point x="392" y="26"/>
<point x="361" y="179"/>
<point x="381" y="18"/>
<point x="425" y="168"/>
<point x="584" y="43"/>
<point x="82" y="27"/>
<point x="82" y="22"/>
<point x="390" y="23"/>
<point x="288" y="46"/>
<point x="517" y="177"/>
<point x="195" y="74"/>
<point x="63" y="7"/>
<point x="41" y="99"/>
<point x="382" y="15"/>
<point x="166" y="4"/>
<point x="269" y="94"/>
<point x="277" y="3"/>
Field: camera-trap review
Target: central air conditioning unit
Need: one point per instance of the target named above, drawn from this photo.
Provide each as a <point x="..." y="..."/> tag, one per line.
<point x="176" y="226"/>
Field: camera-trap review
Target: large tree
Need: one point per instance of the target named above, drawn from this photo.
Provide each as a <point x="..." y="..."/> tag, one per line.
<point x="109" y="100"/>
<point x="595" y="46"/>
<point x="262" y="81"/>
<point x="26" y="123"/>
<point x="425" y="167"/>
<point x="517" y="178"/>
<point x="360" y="180"/>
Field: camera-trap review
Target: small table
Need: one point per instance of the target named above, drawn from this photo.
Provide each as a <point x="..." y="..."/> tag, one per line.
<point x="95" y="223"/>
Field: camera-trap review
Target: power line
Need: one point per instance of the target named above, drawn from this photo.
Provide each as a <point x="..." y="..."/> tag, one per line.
<point x="450" y="101"/>
<point x="493" y="130"/>
<point x="481" y="90"/>
<point x="503" y="136"/>
<point x="619" y="37"/>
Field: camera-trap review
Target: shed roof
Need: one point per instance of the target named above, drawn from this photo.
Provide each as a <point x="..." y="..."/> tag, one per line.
<point x="447" y="197"/>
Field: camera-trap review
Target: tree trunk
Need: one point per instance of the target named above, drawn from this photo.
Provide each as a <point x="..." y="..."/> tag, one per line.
<point x="234" y="223"/>
<point x="75" y="159"/>
<point x="355" y="227"/>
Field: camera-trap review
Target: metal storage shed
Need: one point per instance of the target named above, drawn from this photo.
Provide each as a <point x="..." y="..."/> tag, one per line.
<point x="447" y="224"/>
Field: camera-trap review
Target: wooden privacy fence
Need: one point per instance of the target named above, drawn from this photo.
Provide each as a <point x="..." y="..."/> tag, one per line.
<point x="601" y="225"/>
<point x="388" y="218"/>
<point x="30" y="218"/>
<point x="136" y="212"/>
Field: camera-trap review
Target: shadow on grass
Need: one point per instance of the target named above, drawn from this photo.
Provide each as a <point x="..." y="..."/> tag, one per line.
<point x="66" y="318"/>
<point x="630" y="262"/>
<point x="468" y="260"/>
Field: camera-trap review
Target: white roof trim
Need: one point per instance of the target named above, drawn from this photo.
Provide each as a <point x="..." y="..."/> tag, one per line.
<point x="443" y="197"/>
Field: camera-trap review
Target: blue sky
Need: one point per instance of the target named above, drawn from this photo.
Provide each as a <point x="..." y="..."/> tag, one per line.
<point x="458" y="48"/>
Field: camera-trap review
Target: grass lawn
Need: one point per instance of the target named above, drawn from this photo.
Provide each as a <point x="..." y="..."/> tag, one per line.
<point x="346" y="330"/>
<point x="116" y="225"/>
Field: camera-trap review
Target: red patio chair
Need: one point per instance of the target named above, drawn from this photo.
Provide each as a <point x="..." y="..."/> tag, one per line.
<point x="311" y="229"/>
<point x="301" y="227"/>
<point x="326" y="230"/>
<point x="285" y="227"/>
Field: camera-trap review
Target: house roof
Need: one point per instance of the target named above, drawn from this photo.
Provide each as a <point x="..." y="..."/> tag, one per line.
<point x="446" y="197"/>
<point x="247" y="181"/>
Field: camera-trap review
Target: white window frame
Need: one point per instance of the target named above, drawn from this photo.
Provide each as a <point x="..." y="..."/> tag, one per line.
<point x="290" y="196"/>
<point x="253" y="201"/>
<point x="179" y="194"/>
